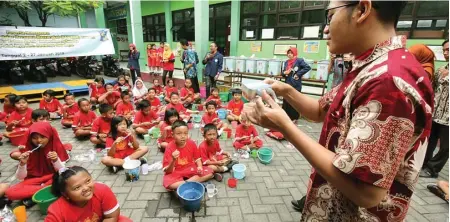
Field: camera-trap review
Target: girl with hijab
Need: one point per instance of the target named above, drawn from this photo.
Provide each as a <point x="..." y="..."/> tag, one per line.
<point x="133" y="62"/>
<point x="43" y="155"/>
<point x="425" y="57"/>
<point x="139" y="91"/>
<point x="168" y="63"/>
<point x="294" y="69"/>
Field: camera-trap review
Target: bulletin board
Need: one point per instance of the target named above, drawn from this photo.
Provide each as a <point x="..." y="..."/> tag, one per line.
<point x="281" y="49"/>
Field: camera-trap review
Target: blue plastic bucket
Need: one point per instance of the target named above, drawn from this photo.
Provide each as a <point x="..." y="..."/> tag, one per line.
<point x="191" y="194"/>
<point x="222" y="113"/>
<point x="197" y="118"/>
<point x="239" y="171"/>
<point x="265" y="155"/>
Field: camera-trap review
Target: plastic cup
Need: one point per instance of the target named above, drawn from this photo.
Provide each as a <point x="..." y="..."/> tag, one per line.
<point x="144" y="169"/>
<point x="211" y="190"/>
<point x="147" y="139"/>
<point x="21" y="213"/>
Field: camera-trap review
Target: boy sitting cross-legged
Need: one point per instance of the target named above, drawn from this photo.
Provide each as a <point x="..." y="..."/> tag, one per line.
<point x="182" y="159"/>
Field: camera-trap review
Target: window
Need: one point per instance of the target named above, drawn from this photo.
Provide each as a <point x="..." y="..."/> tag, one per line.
<point x="280" y="19"/>
<point x="441" y="23"/>
<point x="154" y="28"/>
<point x="219" y="22"/>
<point x="183" y="26"/>
<point x="121" y="26"/>
<point x="404" y="24"/>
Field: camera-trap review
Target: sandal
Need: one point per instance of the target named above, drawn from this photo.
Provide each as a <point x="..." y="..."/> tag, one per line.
<point x="433" y="188"/>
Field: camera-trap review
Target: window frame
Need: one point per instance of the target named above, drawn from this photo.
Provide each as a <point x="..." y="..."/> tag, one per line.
<point x="185" y="24"/>
<point x="152" y="34"/>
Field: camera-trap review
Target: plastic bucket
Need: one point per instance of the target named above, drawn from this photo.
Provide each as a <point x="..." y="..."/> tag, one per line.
<point x="132" y="170"/>
<point x="44" y="198"/>
<point x="265" y="155"/>
<point x="203" y="91"/>
<point x="196" y="118"/>
<point x="156" y="132"/>
<point x="194" y="107"/>
<point x="239" y="171"/>
<point x="222" y="113"/>
<point x="254" y="153"/>
<point x="223" y="96"/>
<point x="191" y="194"/>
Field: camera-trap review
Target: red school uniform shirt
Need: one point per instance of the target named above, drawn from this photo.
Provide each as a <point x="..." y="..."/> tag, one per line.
<point x="210" y="152"/>
<point x="124" y="108"/>
<point x="112" y="98"/>
<point x="236" y="107"/>
<point x="123" y="149"/>
<point x="82" y="119"/>
<point x="159" y="56"/>
<point x="141" y="118"/>
<point x="250" y="131"/>
<point x="169" y="66"/>
<point x="101" y="125"/>
<point x="51" y="106"/>
<point x="71" y="110"/>
<point x="188" y="155"/>
<point x="377" y="124"/>
<point x="159" y="89"/>
<point x="169" y="90"/>
<point x="8" y="109"/>
<point x="178" y="107"/>
<point x="96" y="91"/>
<point x="25" y="119"/>
<point x="169" y="135"/>
<point x="119" y="87"/>
<point x="216" y="99"/>
<point x="154" y="103"/>
<point x="186" y="91"/>
<point x="207" y="118"/>
<point x="103" y="202"/>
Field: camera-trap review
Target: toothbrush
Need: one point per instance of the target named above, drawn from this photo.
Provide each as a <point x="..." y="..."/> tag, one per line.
<point x="39" y="146"/>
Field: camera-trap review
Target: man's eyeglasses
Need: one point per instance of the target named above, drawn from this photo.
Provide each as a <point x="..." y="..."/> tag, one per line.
<point x="329" y="17"/>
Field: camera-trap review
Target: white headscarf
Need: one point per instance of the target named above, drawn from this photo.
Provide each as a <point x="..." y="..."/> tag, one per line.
<point x="139" y="92"/>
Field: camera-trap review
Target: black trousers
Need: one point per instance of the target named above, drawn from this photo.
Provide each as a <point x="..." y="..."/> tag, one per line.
<point x="292" y="113"/>
<point x="437" y="162"/>
<point x="134" y="74"/>
<point x="165" y="75"/>
<point x="210" y="83"/>
<point x="195" y="84"/>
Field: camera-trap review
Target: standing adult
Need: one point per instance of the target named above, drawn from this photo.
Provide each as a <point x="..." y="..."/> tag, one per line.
<point x="168" y="60"/>
<point x="432" y="165"/>
<point x="376" y="123"/>
<point x="133" y="62"/>
<point x="294" y="69"/>
<point x="190" y="60"/>
<point x="425" y="56"/>
<point x="214" y="62"/>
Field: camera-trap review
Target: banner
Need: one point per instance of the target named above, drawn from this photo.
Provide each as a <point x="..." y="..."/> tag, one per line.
<point x="39" y="43"/>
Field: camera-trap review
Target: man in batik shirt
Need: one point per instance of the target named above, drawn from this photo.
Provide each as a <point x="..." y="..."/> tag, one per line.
<point x="376" y="123"/>
<point x="190" y="60"/>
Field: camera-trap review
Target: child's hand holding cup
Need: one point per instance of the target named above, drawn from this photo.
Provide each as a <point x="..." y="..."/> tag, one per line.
<point x="53" y="156"/>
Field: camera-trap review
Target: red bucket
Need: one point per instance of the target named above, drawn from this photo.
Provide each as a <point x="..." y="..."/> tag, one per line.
<point x="232" y="182"/>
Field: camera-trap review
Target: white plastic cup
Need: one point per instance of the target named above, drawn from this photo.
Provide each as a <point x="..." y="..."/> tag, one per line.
<point x="211" y="190"/>
<point x="144" y="169"/>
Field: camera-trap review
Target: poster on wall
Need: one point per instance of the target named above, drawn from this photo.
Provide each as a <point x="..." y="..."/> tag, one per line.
<point x="17" y="43"/>
<point x="438" y="53"/>
<point x="256" y="46"/>
<point x="311" y="47"/>
<point x="281" y="49"/>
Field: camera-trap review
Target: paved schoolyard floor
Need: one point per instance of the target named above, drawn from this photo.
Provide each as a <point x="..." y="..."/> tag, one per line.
<point x="263" y="195"/>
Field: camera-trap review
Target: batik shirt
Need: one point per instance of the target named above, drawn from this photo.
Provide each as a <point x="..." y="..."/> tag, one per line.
<point x="377" y="124"/>
<point x="441" y="92"/>
<point x="189" y="57"/>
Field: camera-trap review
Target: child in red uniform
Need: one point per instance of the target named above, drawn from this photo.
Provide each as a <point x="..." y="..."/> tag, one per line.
<point x="165" y="127"/>
<point x="83" y="119"/>
<point x="19" y="121"/>
<point x="246" y="137"/>
<point x="188" y="96"/>
<point x="154" y="101"/>
<point x="8" y="107"/>
<point x="211" y="116"/>
<point x="169" y="89"/>
<point x="212" y="155"/>
<point x="182" y="160"/>
<point x="51" y="104"/>
<point x="151" y="58"/>
<point x="82" y="199"/>
<point x="125" y="108"/>
<point x="122" y="145"/>
<point x="69" y="110"/>
<point x="36" y="167"/>
<point x="159" y="58"/>
<point x="158" y="88"/>
<point x="214" y="96"/>
<point x="102" y="125"/>
<point x="140" y="92"/>
<point x="175" y="103"/>
<point x="96" y="89"/>
<point x="235" y="106"/>
<point x="122" y="84"/>
<point x="145" y="118"/>
<point x="111" y="96"/>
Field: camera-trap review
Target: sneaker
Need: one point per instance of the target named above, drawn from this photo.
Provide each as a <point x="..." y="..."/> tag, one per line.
<point x="231" y="164"/>
<point x="246" y="155"/>
<point x="28" y="203"/>
<point x="113" y="169"/>
<point x="218" y="177"/>
<point x="143" y="160"/>
<point x="100" y="146"/>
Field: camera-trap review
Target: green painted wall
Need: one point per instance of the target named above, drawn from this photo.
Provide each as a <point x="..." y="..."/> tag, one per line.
<point x="152" y="7"/>
<point x="178" y="5"/>
<point x="212" y="2"/>
<point x="411" y="42"/>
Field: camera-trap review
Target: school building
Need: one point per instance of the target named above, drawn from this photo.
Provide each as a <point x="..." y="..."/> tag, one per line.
<point x="260" y="28"/>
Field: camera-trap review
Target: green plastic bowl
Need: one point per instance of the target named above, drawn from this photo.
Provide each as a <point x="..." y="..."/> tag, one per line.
<point x="44" y="198"/>
<point x="223" y="96"/>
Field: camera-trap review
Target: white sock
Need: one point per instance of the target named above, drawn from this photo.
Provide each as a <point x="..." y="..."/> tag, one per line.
<point x="225" y="168"/>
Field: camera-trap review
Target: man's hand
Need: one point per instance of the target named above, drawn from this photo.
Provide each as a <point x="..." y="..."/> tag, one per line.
<point x="273" y="117"/>
<point x="443" y="71"/>
<point x="217" y="76"/>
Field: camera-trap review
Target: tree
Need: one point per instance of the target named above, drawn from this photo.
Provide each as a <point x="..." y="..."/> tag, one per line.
<point x="21" y="8"/>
